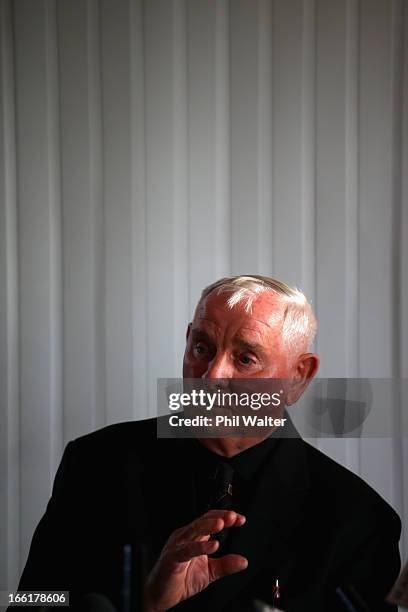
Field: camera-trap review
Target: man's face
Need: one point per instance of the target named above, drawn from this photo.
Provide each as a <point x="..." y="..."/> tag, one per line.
<point x="224" y="342"/>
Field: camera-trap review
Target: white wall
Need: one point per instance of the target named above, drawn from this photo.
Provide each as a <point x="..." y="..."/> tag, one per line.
<point x="149" y="147"/>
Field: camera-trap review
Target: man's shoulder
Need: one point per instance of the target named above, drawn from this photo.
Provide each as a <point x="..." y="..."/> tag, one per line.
<point x="119" y="433"/>
<point x="351" y="497"/>
<point x="115" y="440"/>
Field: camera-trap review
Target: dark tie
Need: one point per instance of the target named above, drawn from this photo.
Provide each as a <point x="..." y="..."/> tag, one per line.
<point x="221" y="496"/>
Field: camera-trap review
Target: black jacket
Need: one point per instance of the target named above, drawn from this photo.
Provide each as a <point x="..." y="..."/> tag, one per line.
<point x="312" y="524"/>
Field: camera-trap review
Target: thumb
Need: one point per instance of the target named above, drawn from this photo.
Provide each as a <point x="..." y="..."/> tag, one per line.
<point x="228" y="564"/>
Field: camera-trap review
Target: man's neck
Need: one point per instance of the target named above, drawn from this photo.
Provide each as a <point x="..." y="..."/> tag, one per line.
<point x="229" y="447"/>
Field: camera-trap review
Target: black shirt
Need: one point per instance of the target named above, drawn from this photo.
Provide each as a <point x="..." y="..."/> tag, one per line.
<point x="247" y="467"/>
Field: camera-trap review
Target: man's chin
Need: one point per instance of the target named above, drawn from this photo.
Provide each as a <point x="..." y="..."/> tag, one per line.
<point x="230" y="445"/>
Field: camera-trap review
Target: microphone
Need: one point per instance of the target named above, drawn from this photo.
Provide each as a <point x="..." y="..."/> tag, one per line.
<point x="351" y="599"/>
<point x="134" y="576"/>
<point x="136" y="551"/>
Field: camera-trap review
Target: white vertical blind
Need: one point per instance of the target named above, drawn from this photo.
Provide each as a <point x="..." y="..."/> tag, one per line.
<point x="9" y="314"/>
<point x="39" y="248"/>
<point x="148" y="147"/>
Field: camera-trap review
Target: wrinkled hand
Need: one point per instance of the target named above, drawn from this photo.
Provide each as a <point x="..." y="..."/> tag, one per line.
<point x="184" y="569"/>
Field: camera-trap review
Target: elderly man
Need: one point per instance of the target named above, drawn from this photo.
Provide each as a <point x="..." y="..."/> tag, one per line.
<point x="219" y="522"/>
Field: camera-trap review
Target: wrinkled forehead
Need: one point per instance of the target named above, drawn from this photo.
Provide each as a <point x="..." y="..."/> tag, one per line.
<point x="266" y="308"/>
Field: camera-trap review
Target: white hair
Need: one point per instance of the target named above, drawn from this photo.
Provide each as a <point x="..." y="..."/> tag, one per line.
<point x="299" y="322"/>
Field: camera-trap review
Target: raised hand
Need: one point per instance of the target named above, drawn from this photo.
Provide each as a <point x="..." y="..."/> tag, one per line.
<point x="184" y="568"/>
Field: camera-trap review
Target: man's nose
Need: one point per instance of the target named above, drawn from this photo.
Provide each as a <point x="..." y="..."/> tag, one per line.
<point x="219" y="367"/>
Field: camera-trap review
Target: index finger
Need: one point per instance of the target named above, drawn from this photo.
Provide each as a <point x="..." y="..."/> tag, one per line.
<point x="211" y="522"/>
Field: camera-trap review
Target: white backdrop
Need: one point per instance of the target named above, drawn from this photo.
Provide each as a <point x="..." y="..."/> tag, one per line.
<point x="150" y="147"/>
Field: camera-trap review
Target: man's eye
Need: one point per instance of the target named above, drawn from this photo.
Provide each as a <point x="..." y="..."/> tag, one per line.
<point x="200" y="348"/>
<point x="246" y="360"/>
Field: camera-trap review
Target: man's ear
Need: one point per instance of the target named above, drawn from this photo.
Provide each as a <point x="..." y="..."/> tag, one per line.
<point x="188" y="331"/>
<point x="305" y="370"/>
